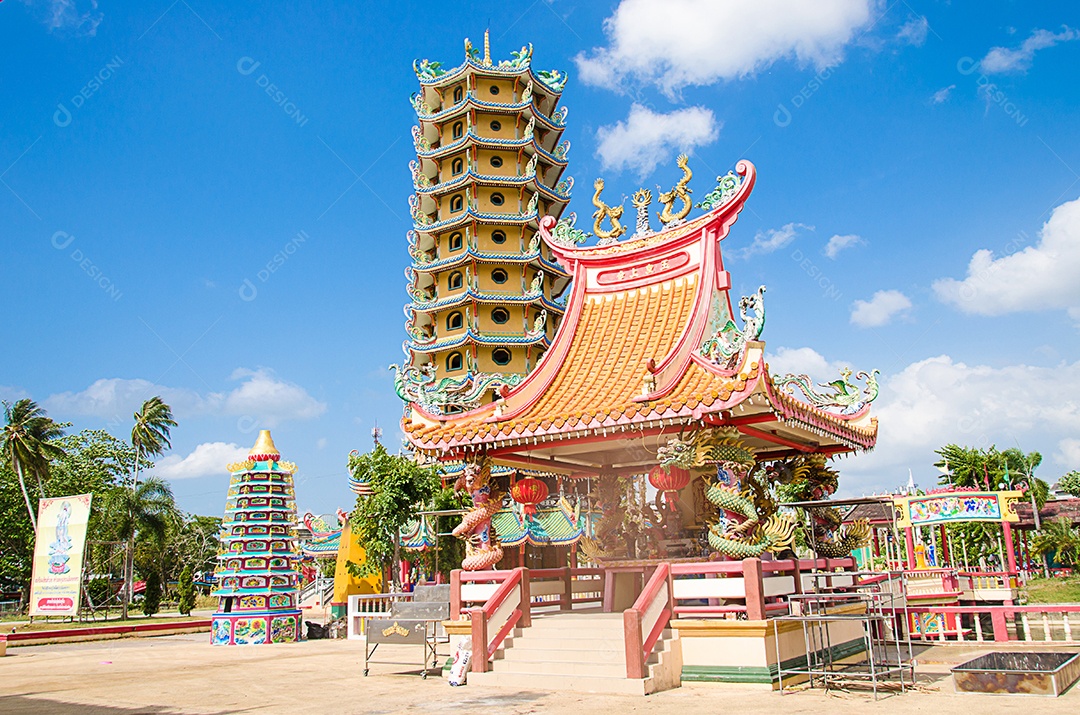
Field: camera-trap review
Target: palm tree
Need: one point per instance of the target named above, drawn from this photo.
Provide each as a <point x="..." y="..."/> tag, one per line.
<point x="150" y="438"/>
<point x="150" y="435"/>
<point x="1059" y="538"/>
<point x="139" y="509"/>
<point x="27" y="444"/>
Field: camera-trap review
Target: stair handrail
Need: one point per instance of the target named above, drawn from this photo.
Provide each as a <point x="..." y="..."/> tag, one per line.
<point x="645" y="621"/>
<point x="512" y="595"/>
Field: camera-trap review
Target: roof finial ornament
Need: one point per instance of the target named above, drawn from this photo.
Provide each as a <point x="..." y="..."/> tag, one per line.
<point x="641" y="200"/>
<point x="680" y="191"/>
<point x="604" y="211"/>
<point x="487" y="48"/>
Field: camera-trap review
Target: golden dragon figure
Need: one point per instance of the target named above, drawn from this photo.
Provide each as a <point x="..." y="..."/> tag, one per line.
<point x="680" y="191"/>
<point x="604" y="211"/>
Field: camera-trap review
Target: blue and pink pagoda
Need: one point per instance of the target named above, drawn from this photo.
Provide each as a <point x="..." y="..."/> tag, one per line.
<point x="256" y="575"/>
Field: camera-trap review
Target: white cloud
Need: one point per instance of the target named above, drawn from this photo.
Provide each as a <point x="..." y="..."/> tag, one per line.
<point x="261" y="396"/>
<point x="678" y="43"/>
<point x="914" y="31"/>
<point x="270" y="400"/>
<point x="937" y="401"/>
<point x="773" y="239"/>
<point x="838" y="243"/>
<point x="207" y="459"/>
<point x="1068" y="453"/>
<point x="942" y="95"/>
<point x="1018" y="59"/>
<point x="321" y="443"/>
<point x="804" y="361"/>
<point x="77" y="17"/>
<point x="880" y="309"/>
<point x="1039" y="277"/>
<point x="645" y="138"/>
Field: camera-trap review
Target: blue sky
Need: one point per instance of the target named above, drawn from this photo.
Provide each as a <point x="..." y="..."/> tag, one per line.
<point x="171" y="228"/>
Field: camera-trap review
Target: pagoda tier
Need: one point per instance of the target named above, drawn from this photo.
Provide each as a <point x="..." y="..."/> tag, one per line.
<point x="256" y="571"/>
<point x="486" y="291"/>
<point x="650" y="345"/>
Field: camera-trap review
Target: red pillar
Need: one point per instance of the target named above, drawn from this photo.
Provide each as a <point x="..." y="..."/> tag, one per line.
<point x="877" y="544"/>
<point x="1010" y="552"/>
<point x="909" y="542"/>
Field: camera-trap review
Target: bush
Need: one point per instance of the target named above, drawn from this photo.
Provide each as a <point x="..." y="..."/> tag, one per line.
<point x="152" y="596"/>
<point x="185" y="590"/>
<point x="98" y="591"/>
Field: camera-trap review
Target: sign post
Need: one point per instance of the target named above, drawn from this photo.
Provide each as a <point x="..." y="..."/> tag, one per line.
<point x="58" y="555"/>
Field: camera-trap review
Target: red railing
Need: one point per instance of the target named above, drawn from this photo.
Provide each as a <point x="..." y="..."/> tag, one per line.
<point x="508" y="608"/>
<point x="645" y="621"/>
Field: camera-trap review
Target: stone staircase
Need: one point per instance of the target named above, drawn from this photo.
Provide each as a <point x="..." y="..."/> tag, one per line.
<point x="580" y="651"/>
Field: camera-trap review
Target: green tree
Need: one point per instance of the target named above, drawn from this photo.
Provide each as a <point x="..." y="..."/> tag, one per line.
<point x="185" y="592"/>
<point x="400" y="487"/>
<point x="150" y="438"/>
<point x="152" y="595"/>
<point x="1070" y="483"/>
<point x="450" y="552"/>
<point x="143" y="509"/>
<point x="27" y="444"/>
<point x="1060" y="539"/>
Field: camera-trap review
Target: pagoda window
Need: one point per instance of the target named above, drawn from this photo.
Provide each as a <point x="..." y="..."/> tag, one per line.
<point x="456" y="167"/>
<point x="498" y="236"/>
<point x="458" y="130"/>
<point x="493" y="89"/>
<point x="497" y="199"/>
<point x="454" y="362"/>
<point x="496" y="126"/>
<point x="457" y="203"/>
<point x="500" y="315"/>
<point x="456" y="280"/>
<point x="499" y="276"/>
<point x="501" y="356"/>
<point x="455" y="241"/>
<point x="455" y="321"/>
<point x="459" y="94"/>
<point x="496" y="161"/>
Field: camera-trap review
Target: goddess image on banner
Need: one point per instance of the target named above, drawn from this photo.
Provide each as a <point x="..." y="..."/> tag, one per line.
<point x="58" y="555"/>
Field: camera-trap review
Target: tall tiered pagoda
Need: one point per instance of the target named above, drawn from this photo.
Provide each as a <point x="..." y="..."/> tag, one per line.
<point x="486" y="293"/>
<point x="256" y="576"/>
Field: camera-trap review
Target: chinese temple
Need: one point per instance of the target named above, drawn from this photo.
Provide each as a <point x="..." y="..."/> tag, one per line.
<point x="256" y="575"/>
<point x="647" y="402"/>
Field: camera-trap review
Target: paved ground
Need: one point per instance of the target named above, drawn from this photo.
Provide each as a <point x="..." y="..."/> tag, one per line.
<point x="184" y="675"/>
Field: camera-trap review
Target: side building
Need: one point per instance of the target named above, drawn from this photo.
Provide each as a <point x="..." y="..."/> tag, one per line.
<point x="486" y="293"/>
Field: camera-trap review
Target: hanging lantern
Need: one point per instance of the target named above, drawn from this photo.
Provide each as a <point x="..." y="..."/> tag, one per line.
<point x="530" y="492"/>
<point x="669" y="481"/>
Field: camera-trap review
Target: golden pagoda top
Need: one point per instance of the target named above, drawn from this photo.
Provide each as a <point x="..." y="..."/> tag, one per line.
<point x="432" y="73"/>
<point x="264" y="449"/>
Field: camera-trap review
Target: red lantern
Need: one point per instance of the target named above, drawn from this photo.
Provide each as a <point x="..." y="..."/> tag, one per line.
<point x="669" y="481"/>
<point x="530" y="492"/>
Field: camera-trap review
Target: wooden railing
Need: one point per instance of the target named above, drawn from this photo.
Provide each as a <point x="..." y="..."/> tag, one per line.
<point x="964" y="624"/>
<point x="508" y="608"/>
<point x="645" y="621"/>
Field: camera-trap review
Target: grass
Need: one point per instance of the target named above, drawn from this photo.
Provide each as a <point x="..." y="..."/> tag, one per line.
<point x="1053" y="590"/>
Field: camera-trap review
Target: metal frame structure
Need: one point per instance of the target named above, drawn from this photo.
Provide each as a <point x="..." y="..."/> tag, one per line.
<point x="885" y="643"/>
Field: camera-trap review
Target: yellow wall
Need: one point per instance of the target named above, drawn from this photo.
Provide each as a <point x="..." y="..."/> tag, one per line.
<point x="513" y="280"/>
<point x="345" y="584"/>
<point x="508" y="168"/>
<point x="506" y="93"/>
<point x="517" y="362"/>
<point x="513" y="325"/>
<point x="510" y="203"/>
<point x="447" y="165"/>
<point x="507" y="125"/>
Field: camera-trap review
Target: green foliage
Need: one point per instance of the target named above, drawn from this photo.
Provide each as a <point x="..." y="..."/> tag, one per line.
<point x="185" y="592"/>
<point x="992" y="469"/>
<point x="451" y="551"/>
<point x="400" y="487"/>
<point x="1059" y="539"/>
<point x="153" y="421"/>
<point x="152" y="595"/>
<point x="1070" y="483"/>
<point x="27" y="445"/>
<point x="98" y="590"/>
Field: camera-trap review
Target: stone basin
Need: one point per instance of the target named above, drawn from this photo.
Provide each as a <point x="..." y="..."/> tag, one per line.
<point x="1046" y="673"/>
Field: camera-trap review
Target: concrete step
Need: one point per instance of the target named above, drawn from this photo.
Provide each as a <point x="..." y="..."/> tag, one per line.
<point x="539" y="653"/>
<point x="559" y="641"/>
<point x="561" y="667"/>
<point x="549" y="682"/>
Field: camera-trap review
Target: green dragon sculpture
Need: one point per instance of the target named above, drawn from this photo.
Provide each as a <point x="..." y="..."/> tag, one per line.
<point x="844" y="395"/>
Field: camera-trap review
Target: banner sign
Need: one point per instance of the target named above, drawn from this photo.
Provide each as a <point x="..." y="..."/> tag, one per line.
<point x="58" y="555"/>
<point x="953" y="507"/>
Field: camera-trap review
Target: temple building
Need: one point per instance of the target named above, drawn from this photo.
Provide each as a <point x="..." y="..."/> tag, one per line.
<point x="486" y="294"/>
<point x="256" y="572"/>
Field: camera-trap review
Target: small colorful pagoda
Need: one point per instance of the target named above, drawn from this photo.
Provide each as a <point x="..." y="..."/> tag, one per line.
<point x="486" y="292"/>
<point x="256" y="576"/>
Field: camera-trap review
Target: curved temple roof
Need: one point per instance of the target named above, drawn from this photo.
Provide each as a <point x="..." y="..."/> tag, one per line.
<point x="630" y="360"/>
